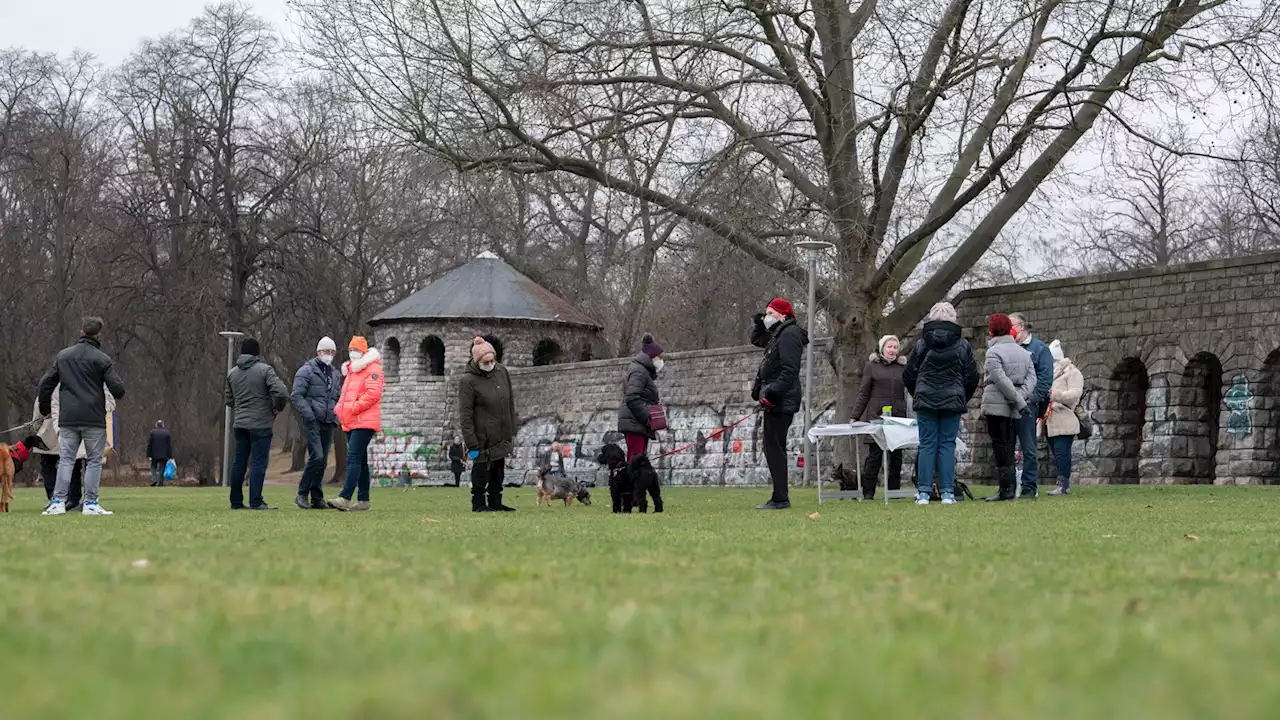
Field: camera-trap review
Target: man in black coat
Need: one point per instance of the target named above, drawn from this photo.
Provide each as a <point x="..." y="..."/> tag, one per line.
<point x="777" y="388"/>
<point x="159" y="451"/>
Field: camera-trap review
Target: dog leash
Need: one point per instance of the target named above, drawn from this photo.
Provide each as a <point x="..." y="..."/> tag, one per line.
<point x="15" y="428"/>
<point x="715" y="434"/>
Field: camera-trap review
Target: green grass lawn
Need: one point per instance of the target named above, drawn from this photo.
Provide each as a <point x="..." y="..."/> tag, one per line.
<point x="1093" y="606"/>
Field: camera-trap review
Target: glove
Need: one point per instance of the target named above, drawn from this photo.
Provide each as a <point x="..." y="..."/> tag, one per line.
<point x="1026" y="411"/>
<point x="473" y="454"/>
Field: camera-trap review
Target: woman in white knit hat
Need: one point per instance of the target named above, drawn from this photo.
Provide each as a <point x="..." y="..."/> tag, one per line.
<point x="881" y="388"/>
<point x="1060" y="422"/>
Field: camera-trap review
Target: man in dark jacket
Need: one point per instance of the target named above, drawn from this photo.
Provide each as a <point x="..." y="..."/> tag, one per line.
<point x="256" y="395"/>
<point x="159" y="451"/>
<point x="1042" y="359"/>
<point x="487" y="409"/>
<point x="316" y="389"/>
<point x="639" y="393"/>
<point x="82" y="370"/>
<point x="778" y="390"/>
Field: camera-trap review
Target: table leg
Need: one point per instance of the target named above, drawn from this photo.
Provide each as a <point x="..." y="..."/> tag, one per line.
<point x="857" y="463"/>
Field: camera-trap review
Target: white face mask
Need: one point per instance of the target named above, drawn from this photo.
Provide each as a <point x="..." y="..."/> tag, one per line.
<point x="326" y="359"/>
<point x="658" y="363"/>
<point x="356" y="355"/>
<point x="770" y="321"/>
<point x="488" y="367"/>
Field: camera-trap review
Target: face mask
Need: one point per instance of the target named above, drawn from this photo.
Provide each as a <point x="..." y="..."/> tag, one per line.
<point x="488" y="367"/>
<point x="326" y="359"/>
<point x="356" y="355"/>
<point x="658" y="363"/>
<point x="770" y="321"/>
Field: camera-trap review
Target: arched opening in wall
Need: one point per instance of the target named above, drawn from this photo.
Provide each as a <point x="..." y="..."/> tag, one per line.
<point x="1125" y="413"/>
<point x="391" y="358"/>
<point x="1199" y="407"/>
<point x="496" y="342"/>
<point x="431" y="356"/>
<point x="586" y="354"/>
<point x="546" y="352"/>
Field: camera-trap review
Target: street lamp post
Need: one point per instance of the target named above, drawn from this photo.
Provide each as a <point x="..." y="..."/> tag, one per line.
<point x="231" y="336"/>
<point x="812" y="248"/>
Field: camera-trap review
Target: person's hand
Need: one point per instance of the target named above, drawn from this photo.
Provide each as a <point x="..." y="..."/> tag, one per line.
<point x="1025" y="411"/>
<point x="767" y="404"/>
<point x="473" y="454"/>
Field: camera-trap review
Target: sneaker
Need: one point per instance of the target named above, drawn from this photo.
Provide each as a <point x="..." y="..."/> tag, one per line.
<point x="319" y="503"/>
<point x="774" y="506"/>
<point x="340" y="503"/>
<point x="302" y="502"/>
<point x="57" y="507"/>
<point x="263" y="506"/>
<point x="360" y="506"/>
<point x="1060" y="491"/>
<point x="948" y="499"/>
<point x="93" y="508"/>
<point x="1027" y="493"/>
<point x="922" y="499"/>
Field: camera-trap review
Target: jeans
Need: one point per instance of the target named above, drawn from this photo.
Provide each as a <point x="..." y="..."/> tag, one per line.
<point x="253" y="450"/>
<point x="157" y="472"/>
<point x="357" y="465"/>
<point x="1030" y="457"/>
<point x="871" y="470"/>
<point x="1061" y="446"/>
<point x="318" y="436"/>
<point x="776" y="426"/>
<point x="637" y="445"/>
<point x="1004" y="436"/>
<point x="938" y="433"/>
<point x="49" y="474"/>
<point x="95" y="444"/>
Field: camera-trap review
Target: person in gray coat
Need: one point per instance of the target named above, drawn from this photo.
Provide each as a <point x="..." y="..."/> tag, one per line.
<point x="316" y="389"/>
<point x="1009" y="380"/>
<point x="256" y="395"/>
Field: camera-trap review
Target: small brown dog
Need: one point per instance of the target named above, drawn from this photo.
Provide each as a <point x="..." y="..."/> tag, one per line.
<point x="12" y="457"/>
<point x="558" y="487"/>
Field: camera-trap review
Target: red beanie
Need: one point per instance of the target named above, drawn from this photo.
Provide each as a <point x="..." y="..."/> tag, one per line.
<point x="782" y="307"/>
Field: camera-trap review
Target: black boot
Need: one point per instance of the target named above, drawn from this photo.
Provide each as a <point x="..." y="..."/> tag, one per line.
<point x="1008" y="485"/>
<point x="495" y="503"/>
<point x="870" y="471"/>
<point x="477" y="501"/>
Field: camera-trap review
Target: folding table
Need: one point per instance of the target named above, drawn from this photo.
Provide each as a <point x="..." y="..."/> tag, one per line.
<point x="890" y="435"/>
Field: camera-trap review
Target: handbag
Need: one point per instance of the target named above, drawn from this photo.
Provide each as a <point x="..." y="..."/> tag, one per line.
<point x="657" y="417"/>
<point x="1086" y="425"/>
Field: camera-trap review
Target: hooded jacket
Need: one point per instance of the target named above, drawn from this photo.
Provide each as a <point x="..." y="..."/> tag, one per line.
<point x="360" y="405"/>
<point x="1042" y="358"/>
<point x="942" y="373"/>
<point x="639" y="391"/>
<point x="1068" y="386"/>
<point x="81" y="372"/>
<point x="316" y="390"/>
<point x="881" y="387"/>
<point x="487" y="410"/>
<point x="1009" y="378"/>
<point x="255" y="394"/>
<point x="778" y="377"/>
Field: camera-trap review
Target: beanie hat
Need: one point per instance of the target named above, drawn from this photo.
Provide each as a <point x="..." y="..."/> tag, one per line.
<point x="249" y="346"/>
<point x="782" y="307"/>
<point x="358" y="343"/>
<point x="649" y="347"/>
<point x="1055" y="349"/>
<point x="944" y="311"/>
<point x="481" y="347"/>
<point x="327" y="343"/>
<point x="885" y="341"/>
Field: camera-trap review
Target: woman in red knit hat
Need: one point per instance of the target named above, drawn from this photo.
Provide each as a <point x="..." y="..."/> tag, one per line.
<point x="778" y="389"/>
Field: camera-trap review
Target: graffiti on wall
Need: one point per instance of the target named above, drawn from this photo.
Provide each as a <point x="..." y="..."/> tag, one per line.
<point x="1239" y="401"/>
<point x="394" y="453"/>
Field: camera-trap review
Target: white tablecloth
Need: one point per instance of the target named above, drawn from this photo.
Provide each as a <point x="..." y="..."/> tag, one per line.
<point x="890" y="435"/>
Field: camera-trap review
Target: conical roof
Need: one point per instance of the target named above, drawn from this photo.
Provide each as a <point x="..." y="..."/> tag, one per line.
<point x="485" y="288"/>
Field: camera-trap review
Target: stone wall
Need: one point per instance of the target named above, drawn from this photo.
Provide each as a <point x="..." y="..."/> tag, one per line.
<point x="1179" y="366"/>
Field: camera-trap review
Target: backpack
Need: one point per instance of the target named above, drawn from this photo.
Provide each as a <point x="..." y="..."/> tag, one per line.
<point x="961" y="492"/>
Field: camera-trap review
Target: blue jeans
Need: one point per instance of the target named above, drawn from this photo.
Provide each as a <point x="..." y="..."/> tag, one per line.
<point x="1061" y="447"/>
<point x="1030" y="456"/>
<point x="95" y="444"/>
<point x="357" y="465"/>
<point x="938" y="433"/>
<point x="319" y="436"/>
<point x="253" y="449"/>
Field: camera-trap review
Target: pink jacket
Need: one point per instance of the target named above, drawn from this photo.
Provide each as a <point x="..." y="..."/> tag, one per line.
<point x="360" y="406"/>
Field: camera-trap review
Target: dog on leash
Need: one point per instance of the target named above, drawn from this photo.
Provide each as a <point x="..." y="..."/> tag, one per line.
<point x="620" y="486"/>
<point x="12" y="458"/>
<point x="558" y="487"/>
<point x="644" y="483"/>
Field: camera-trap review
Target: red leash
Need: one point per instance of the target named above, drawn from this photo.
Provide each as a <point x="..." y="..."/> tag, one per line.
<point x="717" y="433"/>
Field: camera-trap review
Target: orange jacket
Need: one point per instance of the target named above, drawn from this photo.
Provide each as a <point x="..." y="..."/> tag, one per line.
<point x="360" y="406"/>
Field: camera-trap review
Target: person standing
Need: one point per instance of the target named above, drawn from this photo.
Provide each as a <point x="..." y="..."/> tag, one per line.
<point x="159" y="452"/>
<point x="941" y="375"/>
<point x="1039" y="401"/>
<point x="1061" y="422"/>
<point x="316" y="389"/>
<point x="639" y="393"/>
<point x="48" y="433"/>
<point x="881" y="388"/>
<point x="256" y="395"/>
<point x="83" y="375"/>
<point x="487" y="406"/>
<point x="1009" y="379"/>
<point x="359" y="411"/>
<point x="456" y="466"/>
<point x="778" y="390"/>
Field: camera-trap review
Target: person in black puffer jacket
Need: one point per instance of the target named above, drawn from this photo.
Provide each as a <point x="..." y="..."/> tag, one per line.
<point x="777" y="388"/>
<point x="941" y="375"/>
<point x="639" y="393"/>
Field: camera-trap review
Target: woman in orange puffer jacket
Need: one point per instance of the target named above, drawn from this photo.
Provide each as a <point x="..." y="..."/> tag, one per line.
<point x="360" y="413"/>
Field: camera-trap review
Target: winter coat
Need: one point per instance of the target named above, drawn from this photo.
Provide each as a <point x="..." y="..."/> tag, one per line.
<point x="942" y="373"/>
<point x="1068" y="386"/>
<point x="487" y="407"/>
<point x="881" y="387"/>
<point x="778" y="377"/>
<point x="1009" y="378"/>
<point x="456" y="454"/>
<point x="316" y="390"/>
<point x="639" y="391"/>
<point x="1042" y="358"/>
<point x="360" y="405"/>
<point x="159" y="444"/>
<point x="255" y="393"/>
<point x="82" y="371"/>
<point x="48" y="431"/>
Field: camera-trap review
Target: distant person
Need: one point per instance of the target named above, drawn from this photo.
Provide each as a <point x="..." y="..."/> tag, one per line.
<point x="941" y="375"/>
<point x="256" y="395"/>
<point x="159" y="452"/>
<point x="487" y="407"/>
<point x="48" y="433"/>
<point x="881" y="387"/>
<point x="1009" y="380"/>
<point x="456" y="453"/>
<point x="639" y="394"/>
<point x="359" y="412"/>
<point x="778" y="389"/>
<point x="1061" y="422"/>
<point x="1039" y="400"/>
<point x="316" y="389"/>
<point x="83" y="375"/>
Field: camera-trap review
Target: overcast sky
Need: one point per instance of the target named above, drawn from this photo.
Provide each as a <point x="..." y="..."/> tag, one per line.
<point x="110" y="29"/>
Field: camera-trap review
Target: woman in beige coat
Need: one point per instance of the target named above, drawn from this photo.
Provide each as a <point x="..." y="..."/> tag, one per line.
<point x="1060" y="422"/>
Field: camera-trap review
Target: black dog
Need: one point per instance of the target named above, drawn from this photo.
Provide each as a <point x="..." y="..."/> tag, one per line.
<point x="620" y="486"/>
<point x="644" y="482"/>
<point x="847" y="479"/>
